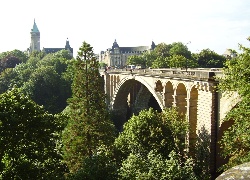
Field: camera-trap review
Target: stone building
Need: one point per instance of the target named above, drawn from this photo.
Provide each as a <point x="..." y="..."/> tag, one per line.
<point x="117" y="56"/>
<point x="35" y="43"/>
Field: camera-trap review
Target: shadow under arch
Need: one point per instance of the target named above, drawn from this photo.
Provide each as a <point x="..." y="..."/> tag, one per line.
<point x="181" y="96"/>
<point x="132" y="95"/>
<point x="220" y="161"/>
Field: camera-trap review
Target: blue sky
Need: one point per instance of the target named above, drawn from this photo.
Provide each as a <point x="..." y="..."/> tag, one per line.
<point x="213" y="24"/>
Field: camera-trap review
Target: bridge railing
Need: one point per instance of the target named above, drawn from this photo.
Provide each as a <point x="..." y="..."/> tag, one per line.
<point x="196" y="73"/>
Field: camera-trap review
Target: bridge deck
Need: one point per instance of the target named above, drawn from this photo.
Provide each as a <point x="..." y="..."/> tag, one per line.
<point x="199" y="74"/>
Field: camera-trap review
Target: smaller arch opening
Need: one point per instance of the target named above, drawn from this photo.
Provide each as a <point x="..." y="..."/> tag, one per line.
<point x="158" y="86"/>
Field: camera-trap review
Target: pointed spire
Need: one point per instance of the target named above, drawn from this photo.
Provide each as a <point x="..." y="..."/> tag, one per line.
<point x="35" y="28"/>
<point x="67" y="44"/>
<point x="115" y="45"/>
<point x="153" y="45"/>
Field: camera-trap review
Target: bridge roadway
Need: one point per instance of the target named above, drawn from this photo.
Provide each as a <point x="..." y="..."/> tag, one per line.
<point x="193" y="92"/>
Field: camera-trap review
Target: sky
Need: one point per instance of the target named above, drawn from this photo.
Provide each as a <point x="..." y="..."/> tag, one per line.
<point x="199" y="24"/>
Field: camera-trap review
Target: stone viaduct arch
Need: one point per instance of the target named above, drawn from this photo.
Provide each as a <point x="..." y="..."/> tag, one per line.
<point x="131" y="95"/>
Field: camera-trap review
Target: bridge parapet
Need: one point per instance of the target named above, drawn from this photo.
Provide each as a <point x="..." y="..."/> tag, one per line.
<point x="197" y="74"/>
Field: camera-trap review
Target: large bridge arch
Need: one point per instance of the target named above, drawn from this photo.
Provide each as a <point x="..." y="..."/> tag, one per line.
<point x="133" y="94"/>
<point x="125" y="83"/>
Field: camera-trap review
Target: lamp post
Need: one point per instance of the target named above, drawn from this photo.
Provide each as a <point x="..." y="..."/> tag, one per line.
<point x="186" y="58"/>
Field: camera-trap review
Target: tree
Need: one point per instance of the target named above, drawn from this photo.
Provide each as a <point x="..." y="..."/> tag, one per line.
<point x="149" y="57"/>
<point x="209" y="59"/>
<point x="7" y="79"/>
<point x="154" y="166"/>
<point x="177" y="48"/>
<point x="145" y="132"/>
<point x="235" y="142"/>
<point x="37" y="54"/>
<point x="102" y="65"/>
<point x="45" y="87"/>
<point x="22" y="56"/>
<point x="160" y="62"/>
<point x="152" y="146"/>
<point x="100" y="166"/>
<point x="163" y="50"/>
<point x="29" y="139"/>
<point x="136" y="60"/>
<point x="8" y="62"/>
<point x="88" y="126"/>
<point x="178" y="61"/>
<point x="46" y="80"/>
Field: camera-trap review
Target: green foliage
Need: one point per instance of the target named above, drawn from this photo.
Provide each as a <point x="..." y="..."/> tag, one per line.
<point x="177" y="61"/>
<point x="154" y="166"/>
<point x="202" y="155"/>
<point x="160" y="62"/>
<point x="162" y="50"/>
<point x="101" y="166"/>
<point x="22" y="56"/>
<point x="149" y="57"/>
<point x="209" y="59"/>
<point x="235" y="142"/>
<point x="178" y="127"/>
<point x="174" y="55"/>
<point x="8" y="62"/>
<point x="10" y="59"/>
<point x="7" y="79"/>
<point x="88" y="126"/>
<point x="29" y="139"/>
<point x="145" y="132"/>
<point x="46" y="80"/>
<point x="136" y="60"/>
<point x="102" y="64"/>
<point x="37" y="54"/>
<point x="44" y="87"/>
<point x="152" y="146"/>
<point x="177" y="48"/>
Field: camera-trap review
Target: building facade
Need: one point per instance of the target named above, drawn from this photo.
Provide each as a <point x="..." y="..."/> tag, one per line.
<point x="35" y="43"/>
<point x="117" y="56"/>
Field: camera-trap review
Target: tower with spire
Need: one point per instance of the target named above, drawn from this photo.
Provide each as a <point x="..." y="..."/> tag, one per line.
<point x="35" y="38"/>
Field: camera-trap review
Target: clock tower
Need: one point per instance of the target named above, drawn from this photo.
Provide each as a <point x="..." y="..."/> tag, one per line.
<point x="35" y="38"/>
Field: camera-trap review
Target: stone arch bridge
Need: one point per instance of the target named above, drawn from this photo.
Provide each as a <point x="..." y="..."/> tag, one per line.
<point x="193" y="92"/>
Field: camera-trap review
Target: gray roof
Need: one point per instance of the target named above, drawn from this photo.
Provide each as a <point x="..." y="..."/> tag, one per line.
<point x="138" y="49"/>
<point x="53" y="50"/>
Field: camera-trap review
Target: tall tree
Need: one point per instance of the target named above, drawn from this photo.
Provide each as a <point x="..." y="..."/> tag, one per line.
<point x="29" y="139"/>
<point x="88" y="126"/>
<point x="210" y="59"/>
<point x="235" y="142"/>
<point x="149" y="57"/>
<point x="152" y="146"/>
<point x="179" y="48"/>
<point x="22" y="56"/>
<point x="163" y="50"/>
<point x="136" y="60"/>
